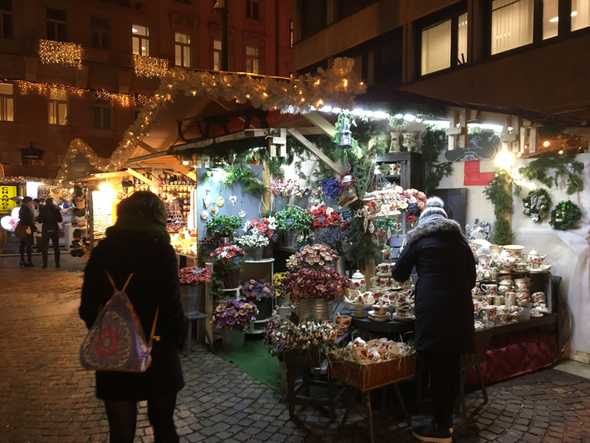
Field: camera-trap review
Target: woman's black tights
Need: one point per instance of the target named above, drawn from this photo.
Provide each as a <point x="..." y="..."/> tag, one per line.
<point x="122" y="415"/>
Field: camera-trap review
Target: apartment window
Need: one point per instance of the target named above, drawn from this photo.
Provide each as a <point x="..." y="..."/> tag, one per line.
<point x="291" y="33"/>
<point x="102" y="116"/>
<point x="462" y="28"/>
<point x="217" y="48"/>
<point x="101" y="33"/>
<point x="436" y="48"/>
<point x="56" y="25"/>
<point x="6" y="102"/>
<point x="6" y="31"/>
<point x="140" y="40"/>
<point x="512" y="24"/>
<point x="58" y="108"/>
<point x="580" y="14"/>
<point x="253" y="9"/>
<point x="182" y="49"/>
<point x="252" y="59"/>
<point x="550" y="18"/>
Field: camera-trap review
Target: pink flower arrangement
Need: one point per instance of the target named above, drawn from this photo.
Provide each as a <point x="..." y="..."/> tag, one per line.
<point x="324" y="217"/>
<point x="316" y="256"/>
<point x="228" y="255"/>
<point x="307" y="283"/>
<point x="265" y="226"/>
<point x="193" y="275"/>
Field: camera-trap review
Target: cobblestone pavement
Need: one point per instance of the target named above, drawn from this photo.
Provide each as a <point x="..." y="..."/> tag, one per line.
<point x="46" y="397"/>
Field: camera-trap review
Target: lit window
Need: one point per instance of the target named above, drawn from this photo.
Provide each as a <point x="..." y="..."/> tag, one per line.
<point x="253" y="9"/>
<point x="580" y="14"/>
<point x="512" y="24"/>
<point x="463" y="25"/>
<point x="291" y="33"/>
<point x="217" y="48"/>
<point x="101" y="33"/>
<point x="436" y="48"/>
<point x="102" y="116"/>
<point x="140" y="40"/>
<point x="182" y="49"/>
<point x="58" y="108"/>
<point x="6" y="102"/>
<point x="56" y="25"/>
<point x="6" y="19"/>
<point x="550" y="18"/>
<point x="252" y="59"/>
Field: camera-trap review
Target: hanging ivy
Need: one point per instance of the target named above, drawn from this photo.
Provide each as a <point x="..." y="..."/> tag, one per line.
<point x="244" y="175"/>
<point x="553" y="171"/>
<point x="565" y="216"/>
<point x="499" y="192"/>
<point x="434" y="143"/>
<point x="537" y="205"/>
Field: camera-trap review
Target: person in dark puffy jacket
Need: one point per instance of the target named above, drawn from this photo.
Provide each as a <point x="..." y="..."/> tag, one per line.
<point x="138" y="244"/>
<point x="26" y="218"/>
<point x="50" y="217"/>
<point x="445" y="265"/>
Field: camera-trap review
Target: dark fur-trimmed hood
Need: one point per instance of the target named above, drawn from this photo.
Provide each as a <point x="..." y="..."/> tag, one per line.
<point x="432" y="227"/>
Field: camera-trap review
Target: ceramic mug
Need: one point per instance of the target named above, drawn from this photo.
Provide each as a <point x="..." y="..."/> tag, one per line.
<point x="538" y="297"/>
<point x="522" y="283"/>
<point x="490" y="289"/>
<point x="509" y="297"/>
<point x="499" y="300"/>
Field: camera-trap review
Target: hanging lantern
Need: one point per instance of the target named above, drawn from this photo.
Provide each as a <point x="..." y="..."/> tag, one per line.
<point x="343" y="136"/>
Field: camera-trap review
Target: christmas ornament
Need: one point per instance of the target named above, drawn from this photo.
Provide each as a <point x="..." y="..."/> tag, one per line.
<point x="566" y="215"/>
<point x="233" y="200"/>
<point x="242" y="213"/>
<point x="220" y="202"/>
<point x="204" y="215"/>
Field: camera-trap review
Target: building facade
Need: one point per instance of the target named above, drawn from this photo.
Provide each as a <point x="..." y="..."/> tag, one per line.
<point x="513" y="55"/>
<point x="68" y="68"/>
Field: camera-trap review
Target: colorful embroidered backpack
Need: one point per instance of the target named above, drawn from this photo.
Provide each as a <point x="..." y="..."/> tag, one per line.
<point x="116" y="341"/>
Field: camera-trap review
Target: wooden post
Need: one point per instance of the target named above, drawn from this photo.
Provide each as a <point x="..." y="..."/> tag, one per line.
<point x="266" y="196"/>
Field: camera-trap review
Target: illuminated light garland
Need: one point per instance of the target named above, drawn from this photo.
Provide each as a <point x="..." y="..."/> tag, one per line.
<point x="76" y="148"/>
<point x="288" y="94"/>
<point x="60" y="53"/>
<point x="150" y="67"/>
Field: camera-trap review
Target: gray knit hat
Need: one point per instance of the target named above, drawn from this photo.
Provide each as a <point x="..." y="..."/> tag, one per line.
<point x="434" y="210"/>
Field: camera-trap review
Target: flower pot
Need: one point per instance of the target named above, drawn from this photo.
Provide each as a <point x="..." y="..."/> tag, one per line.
<point x="341" y="266"/>
<point x="230" y="278"/>
<point x="191" y="298"/>
<point x="268" y="252"/>
<point x="264" y="306"/>
<point x="290" y="239"/>
<point x="233" y="339"/>
<point x="313" y="309"/>
<point x="255" y="253"/>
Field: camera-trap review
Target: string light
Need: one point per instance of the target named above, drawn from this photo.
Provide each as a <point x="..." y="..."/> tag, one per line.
<point x="61" y="53"/>
<point x="150" y="67"/>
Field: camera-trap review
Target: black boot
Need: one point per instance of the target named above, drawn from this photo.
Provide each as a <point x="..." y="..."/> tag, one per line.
<point x="433" y="433"/>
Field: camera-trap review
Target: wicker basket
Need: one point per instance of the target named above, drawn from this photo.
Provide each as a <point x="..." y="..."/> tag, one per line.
<point x="372" y="376"/>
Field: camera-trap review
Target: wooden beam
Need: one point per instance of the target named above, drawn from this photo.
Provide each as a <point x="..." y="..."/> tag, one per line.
<point x="143" y="145"/>
<point x="185" y="170"/>
<point x="317" y="152"/>
<point x="141" y="177"/>
<point x="320" y="121"/>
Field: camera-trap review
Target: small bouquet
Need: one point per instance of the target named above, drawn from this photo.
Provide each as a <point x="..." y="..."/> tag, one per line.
<point x="277" y="282"/>
<point x="253" y="239"/>
<point x="325" y="217"/>
<point x="194" y="275"/>
<point x="254" y="290"/>
<point x="306" y="283"/>
<point x="285" y="336"/>
<point x="234" y="314"/>
<point x="228" y="255"/>
<point x="282" y="188"/>
<point x="265" y="226"/>
<point x="294" y="219"/>
<point x="313" y="256"/>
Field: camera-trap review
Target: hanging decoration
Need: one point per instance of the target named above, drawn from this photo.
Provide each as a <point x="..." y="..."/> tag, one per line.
<point x="52" y="89"/>
<point x="76" y="148"/>
<point x="62" y="53"/>
<point x="537" y="205"/>
<point x="553" y="171"/>
<point x="343" y="136"/>
<point x="150" y="67"/>
<point x="499" y="192"/>
<point x="565" y="216"/>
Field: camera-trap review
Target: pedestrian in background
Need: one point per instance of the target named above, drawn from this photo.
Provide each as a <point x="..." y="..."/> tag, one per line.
<point x="445" y="265"/>
<point x="25" y="230"/>
<point x="139" y="244"/>
<point x="50" y="217"/>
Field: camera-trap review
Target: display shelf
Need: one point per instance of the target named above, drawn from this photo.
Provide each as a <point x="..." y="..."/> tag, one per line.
<point x="232" y="289"/>
<point x="264" y="260"/>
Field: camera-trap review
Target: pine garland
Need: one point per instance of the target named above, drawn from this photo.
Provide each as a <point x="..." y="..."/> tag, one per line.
<point x="552" y="171"/>
<point x="499" y="192"/>
<point x="565" y="216"/>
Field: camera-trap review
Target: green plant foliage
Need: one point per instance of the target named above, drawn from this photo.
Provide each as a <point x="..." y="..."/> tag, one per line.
<point x="294" y="219"/>
<point x="499" y="192"/>
<point x="434" y="143"/>
<point x="242" y="174"/>
<point x="223" y="226"/>
<point x="565" y="216"/>
<point x="360" y="247"/>
<point x="553" y="171"/>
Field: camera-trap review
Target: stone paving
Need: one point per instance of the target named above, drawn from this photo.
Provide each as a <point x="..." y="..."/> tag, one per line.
<point x="47" y="397"/>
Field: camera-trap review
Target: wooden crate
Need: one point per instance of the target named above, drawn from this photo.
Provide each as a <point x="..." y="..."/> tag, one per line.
<point x="372" y="376"/>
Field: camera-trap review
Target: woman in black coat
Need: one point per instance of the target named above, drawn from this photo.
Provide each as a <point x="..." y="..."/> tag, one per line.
<point x="445" y="265"/>
<point x="138" y="244"/>
<point x="26" y="217"/>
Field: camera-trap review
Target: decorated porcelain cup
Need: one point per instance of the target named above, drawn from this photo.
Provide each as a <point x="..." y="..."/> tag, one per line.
<point x="490" y="289"/>
<point x="522" y="284"/>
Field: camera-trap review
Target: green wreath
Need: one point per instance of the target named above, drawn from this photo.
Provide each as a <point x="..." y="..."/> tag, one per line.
<point x="566" y="215"/>
<point x="537" y="205"/>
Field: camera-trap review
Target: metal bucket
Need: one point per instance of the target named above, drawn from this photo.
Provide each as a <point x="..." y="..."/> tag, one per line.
<point x="316" y="309"/>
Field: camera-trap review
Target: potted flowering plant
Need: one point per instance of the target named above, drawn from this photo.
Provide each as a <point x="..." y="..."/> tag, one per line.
<point x="232" y="317"/>
<point x="227" y="262"/>
<point x="315" y="256"/>
<point x="294" y="221"/>
<point x="192" y="279"/>
<point x="329" y="226"/>
<point x="254" y="242"/>
<point x="261" y="294"/>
